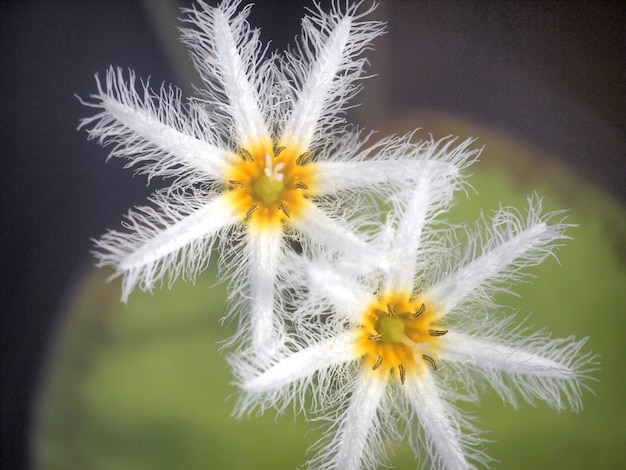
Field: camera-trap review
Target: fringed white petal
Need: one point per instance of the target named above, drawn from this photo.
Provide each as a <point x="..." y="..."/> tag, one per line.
<point x="498" y="253"/>
<point x="302" y="364"/>
<point x="407" y="236"/>
<point x="440" y="423"/>
<point x="337" y="176"/>
<point x="175" y="237"/>
<point x="264" y="254"/>
<point x="228" y="54"/>
<point x="324" y="66"/>
<point x="334" y="235"/>
<point x="157" y="133"/>
<point x="356" y="439"/>
<point x="396" y="161"/>
<point x="287" y="379"/>
<point x="342" y="291"/>
<point x="533" y="366"/>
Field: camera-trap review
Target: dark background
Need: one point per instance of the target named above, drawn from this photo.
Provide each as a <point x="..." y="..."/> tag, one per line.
<point x="550" y="72"/>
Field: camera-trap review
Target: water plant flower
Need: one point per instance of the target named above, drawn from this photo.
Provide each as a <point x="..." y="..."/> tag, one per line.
<point x="387" y="354"/>
<point x="261" y="157"/>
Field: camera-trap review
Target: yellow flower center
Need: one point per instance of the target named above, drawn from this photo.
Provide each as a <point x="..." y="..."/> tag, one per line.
<point x="270" y="186"/>
<point x="391" y="329"/>
<point x="398" y="336"/>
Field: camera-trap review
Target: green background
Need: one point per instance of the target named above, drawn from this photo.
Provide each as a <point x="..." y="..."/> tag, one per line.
<point x="143" y="386"/>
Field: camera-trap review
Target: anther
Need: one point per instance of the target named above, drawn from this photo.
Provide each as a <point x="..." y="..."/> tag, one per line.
<point x="284" y="210"/>
<point x="420" y="312"/>
<point x="301" y="185"/>
<point x="247" y="155"/>
<point x="301" y="160"/>
<point x="253" y="207"/>
<point x="390" y="310"/>
<point x="437" y="332"/>
<point x="431" y="360"/>
<point x="376" y="337"/>
<point x="237" y="183"/>
<point x="402" y="371"/>
<point x="277" y="151"/>
<point x="378" y="362"/>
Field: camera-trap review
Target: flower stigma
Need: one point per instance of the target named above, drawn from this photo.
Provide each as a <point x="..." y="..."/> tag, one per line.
<point x="270" y="186"/>
<point x="398" y="335"/>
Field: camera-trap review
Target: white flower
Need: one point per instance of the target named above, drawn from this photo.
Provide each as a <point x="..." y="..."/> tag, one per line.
<point x="387" y="353"/>
<point x="261" y="157"/>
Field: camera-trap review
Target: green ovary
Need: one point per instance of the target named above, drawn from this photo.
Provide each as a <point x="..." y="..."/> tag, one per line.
<point x="391" y="329"/>
<point x="268" y="189"/>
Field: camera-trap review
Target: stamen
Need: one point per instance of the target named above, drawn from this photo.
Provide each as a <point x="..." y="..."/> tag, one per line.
<point x="237" y="183"/>
<point x="437" y="332"/>
<point x="284" y="210"/>
<point x="402" y="371"/>
<point x="378" y="362"/>
<point x="301" y="160"/>
<point x="246" y="155"/>
<point x="301" y="185"/>
<point x="420" y="312"/>
<point x="251" y="210"/>
<point x="431" y="360"/>
<point x="277" y="151"/>
<point x="390" y="310"/>
<point x="376" y="337"/>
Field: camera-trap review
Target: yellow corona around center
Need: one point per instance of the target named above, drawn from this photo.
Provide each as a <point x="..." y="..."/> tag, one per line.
<point x="398" y="336"/>
<point x="270" y="186"/>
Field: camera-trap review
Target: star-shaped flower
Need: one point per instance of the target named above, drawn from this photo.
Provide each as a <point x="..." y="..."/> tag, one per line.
<point x="261" y="157"/>
<point x="387" y="353"/>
